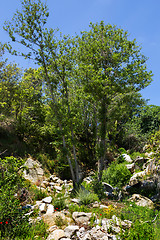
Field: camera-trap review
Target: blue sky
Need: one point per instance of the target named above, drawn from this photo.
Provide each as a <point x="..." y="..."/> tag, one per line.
<point x="141" y="18"/>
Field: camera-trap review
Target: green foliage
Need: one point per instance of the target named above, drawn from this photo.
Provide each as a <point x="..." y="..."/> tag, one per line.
<point x="13" y="222"/>
<point x="98" y="187"/>
<point x="59" y="202"/>
<point x="76" y="208"/>
<point x="143" y="222"/>
<point x="117" y="175"/>
<point x="37" y="193"/>
<point x="59" y="221"/>
<point x="85" y="197"/>
<point x="139" y="231"/>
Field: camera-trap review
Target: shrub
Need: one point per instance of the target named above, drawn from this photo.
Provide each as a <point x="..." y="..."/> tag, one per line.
<point x="85" y="197"/>
<point x="59" y="202"/>
<point x="117" y="175"/>
<point x="12" y="220"/>
<point x="98" y="187"/>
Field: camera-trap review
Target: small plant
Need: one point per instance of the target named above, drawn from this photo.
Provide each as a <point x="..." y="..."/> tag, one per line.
<point x="59" y="221"/>
<point x="76" y="208"/>
<point x="38" y="193"/>
<point x="59" y="202"/>
<point x="85" y="197"/>
<point x="110" y="211"/>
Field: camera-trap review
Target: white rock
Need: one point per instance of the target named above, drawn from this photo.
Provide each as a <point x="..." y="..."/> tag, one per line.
<point x="50" y="209"/>
<point x="75" y="200"/>
<point x="56" y="235"/>
<point x="127" y="158"/>
<point x="136" y="177"/>
<point x="47" y="199"/>
<point x="58" y="188"/>
<point x="71" y="230"/>
<point x="141" y="201"/>
<point x="43" y="207"/>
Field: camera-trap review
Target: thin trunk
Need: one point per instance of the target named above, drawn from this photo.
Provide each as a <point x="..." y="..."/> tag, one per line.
<point x="60" y="125"/>
<point x="72" y="135"/>
<point x="103" y="139"/>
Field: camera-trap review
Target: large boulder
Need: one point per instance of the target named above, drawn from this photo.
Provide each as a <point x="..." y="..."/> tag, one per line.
<point x="141" y="201"/>
<point x="33" y="171"/>
<point x="71" y="230"/>
<point x="56" y="235"/>
<point x="107" y="187"/>
<point x="81" y="217"/>
<point x="137" y="177"/>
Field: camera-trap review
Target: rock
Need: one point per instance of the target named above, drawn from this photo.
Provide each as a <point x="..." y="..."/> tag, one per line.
<point x="52" y="228"/>
<point x="43" y="208"/>
<point x="130" y="167"/>
<point x="141" y="201"/>
<point x="107" y="187"/>
<point x="75" y="200"/>
<point x="140" y="160"/>
<point x="127" y="158"/>
<point x="47" y="200"/>
<point x="50" y="209"/>
<point x="50" y="219"/>
<point x="81" y="217"/>
<point x="56" y="235"/>
<point x="102" y="206"/>
<point x="151" y="167"/>
<point x="136" y="178"/>
<point x="34" y="172"/>
<point x="58" y="188"/>
<point x="71" y="230"/>
<point x="148" y="185"/>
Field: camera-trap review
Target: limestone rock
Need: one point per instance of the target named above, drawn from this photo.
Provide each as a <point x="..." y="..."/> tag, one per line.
<point x="127" y="158"/>
<point x="141" y="201"/>
<point x="43" y="208"/>
<point x="136" y="178"/>
<point x="107" y="187"/>
<point x="56" y="235"/>
<point x="81" y="217"/>
<point x="50" y="209"/>
<point x="34" y="172"/>
<point x="47" y="200"/>
<point x="71" y="230"/>
<point x="130" y="167"/>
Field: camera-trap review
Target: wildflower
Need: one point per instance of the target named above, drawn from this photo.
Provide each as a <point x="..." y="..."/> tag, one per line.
<point x="6" y="222"/>
<point x="0" y="222"/>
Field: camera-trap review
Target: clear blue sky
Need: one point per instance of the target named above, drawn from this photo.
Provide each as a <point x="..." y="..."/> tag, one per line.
<point x="141" y="18"/>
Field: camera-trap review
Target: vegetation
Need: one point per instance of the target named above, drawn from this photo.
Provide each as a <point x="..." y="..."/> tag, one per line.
<point x="14" y="224"/>
<point x="79" y="110"/>
<point x="117" y="175"/>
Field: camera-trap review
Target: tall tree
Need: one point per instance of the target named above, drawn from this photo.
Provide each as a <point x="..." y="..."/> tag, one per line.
<point x="28" y="28"/>
<point x="111" y="67"/>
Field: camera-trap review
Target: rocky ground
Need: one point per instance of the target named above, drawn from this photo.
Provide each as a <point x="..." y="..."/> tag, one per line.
<point x="79" y="225"/>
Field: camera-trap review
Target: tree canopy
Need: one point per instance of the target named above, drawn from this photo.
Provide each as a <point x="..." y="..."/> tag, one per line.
<point x="91" y="82"/>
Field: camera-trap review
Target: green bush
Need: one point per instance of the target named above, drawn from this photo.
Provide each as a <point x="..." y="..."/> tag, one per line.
<point x="117" y="175"/>
<point x="85" y="197"/>
<point x="59" y="202"/>
<point x="12" y="220"/>
<point x="14" y="225"/>
<point x="143" y="225"/>
<point x="97" y="187"/>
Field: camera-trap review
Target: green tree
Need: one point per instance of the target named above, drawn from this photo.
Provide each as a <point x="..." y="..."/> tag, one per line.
<point x="111" y="67"/>
<point x="28" y="28"/>
<point x="10" y="75"/>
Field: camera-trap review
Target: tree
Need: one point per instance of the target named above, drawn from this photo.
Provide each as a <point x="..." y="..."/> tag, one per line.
<point x="10" y="75"/>
<point x="27" y="28"/>
<point x="111" y="68"/>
